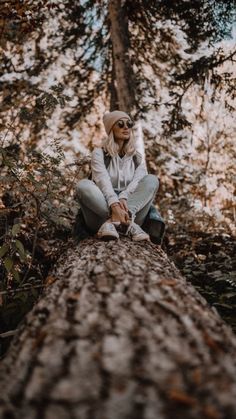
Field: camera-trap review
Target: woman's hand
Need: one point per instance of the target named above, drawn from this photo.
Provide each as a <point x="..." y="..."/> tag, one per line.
<point x="119" y="214"/>
<point x="123" y="204"/>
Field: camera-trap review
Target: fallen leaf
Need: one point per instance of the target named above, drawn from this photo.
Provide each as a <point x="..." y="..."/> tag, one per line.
<point x="210" y="412"/>
<point x="181" y="397"/>
<point x="211" y="342"/>
<point x="39" y="339"/>
<point x="197" y="376"/>
<point x="73" y="296"/>
<point x="49" y="280"/>
<point x="169" y="282"/>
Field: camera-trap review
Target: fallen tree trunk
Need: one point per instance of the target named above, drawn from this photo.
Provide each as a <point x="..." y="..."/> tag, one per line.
<point x="120" y="334"/>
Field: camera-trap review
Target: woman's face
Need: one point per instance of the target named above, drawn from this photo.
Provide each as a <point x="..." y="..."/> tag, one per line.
<point x="121" y="129"/>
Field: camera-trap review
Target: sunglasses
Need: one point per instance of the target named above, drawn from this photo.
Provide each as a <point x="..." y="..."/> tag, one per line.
<point x="127" y="124"/>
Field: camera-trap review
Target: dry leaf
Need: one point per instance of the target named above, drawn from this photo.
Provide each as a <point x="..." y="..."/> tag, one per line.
<point x="73" y="296"/>
<point x="210" y="412"/>
<point x="181" y="397"/>
<point x="169" y="282"/>
<point x="212" y="343"/>
<point x="49" y="280"/>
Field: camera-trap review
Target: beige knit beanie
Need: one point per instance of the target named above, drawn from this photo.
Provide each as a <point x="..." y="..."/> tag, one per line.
<point x="110" y="118"/>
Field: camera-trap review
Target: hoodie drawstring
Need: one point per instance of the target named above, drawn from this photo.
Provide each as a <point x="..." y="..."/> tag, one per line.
<point x="118" y="166"/>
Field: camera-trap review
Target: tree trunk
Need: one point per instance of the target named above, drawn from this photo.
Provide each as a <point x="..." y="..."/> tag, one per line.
<point x="122" y="83"/>
<point x="121" y="61"/>
<point x="113" y="91"/>
<point x="119" y="334"/>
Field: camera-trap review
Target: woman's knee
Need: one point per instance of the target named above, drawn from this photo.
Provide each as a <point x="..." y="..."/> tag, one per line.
<point x="91" y="199"/>
<point x="151" y="182"/>
<point x="83" y="188"/>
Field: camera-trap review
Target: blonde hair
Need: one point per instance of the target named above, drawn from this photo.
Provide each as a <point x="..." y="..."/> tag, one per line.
<point x="112" y="148"/>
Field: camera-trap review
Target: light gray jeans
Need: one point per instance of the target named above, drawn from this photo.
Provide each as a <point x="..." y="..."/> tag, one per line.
<point x="94" y="205"/>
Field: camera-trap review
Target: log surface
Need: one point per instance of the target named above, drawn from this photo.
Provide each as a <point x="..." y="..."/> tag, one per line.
<point x="119" y="334"/>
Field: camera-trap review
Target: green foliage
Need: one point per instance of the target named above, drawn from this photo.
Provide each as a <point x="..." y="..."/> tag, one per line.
<point x="44" y="105"/>
<point x="37" y="206"/>
<point x="38" y="194"/>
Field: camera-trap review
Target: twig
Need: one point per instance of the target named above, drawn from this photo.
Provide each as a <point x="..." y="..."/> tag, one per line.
<point x="24" y="288"/>
<point x="9" y="333"/>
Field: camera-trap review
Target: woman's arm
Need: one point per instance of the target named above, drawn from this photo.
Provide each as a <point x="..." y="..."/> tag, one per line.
<point x="119" y="214"/>
<point x="139" y="173"/>
<point x="101" y="176"/>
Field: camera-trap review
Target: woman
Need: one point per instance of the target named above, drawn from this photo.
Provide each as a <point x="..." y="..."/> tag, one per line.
<point x="120" y="194"/>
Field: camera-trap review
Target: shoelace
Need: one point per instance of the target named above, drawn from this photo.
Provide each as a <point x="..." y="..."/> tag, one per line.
<point x="110" y="226"/>
<point x="134" y="229"/>
<point x="131" y="226"/>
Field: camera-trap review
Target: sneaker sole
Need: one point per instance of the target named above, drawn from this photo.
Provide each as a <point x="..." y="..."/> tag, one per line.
<point x="107" y="237"/>
<point x="139" y="239"/>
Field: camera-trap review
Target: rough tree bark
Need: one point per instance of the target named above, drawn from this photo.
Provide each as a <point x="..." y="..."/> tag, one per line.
<point x="119" y="334"/>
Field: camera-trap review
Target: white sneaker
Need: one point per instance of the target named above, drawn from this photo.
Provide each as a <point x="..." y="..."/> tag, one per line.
<point x="136" y="233"/>
<point x="107" y="231"/>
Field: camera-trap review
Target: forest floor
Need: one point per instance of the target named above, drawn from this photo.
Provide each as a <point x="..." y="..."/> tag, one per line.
<point x="208" y="261"/>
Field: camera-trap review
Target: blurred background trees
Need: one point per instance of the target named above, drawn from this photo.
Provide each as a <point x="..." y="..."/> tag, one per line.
<point x="64" y="63"/>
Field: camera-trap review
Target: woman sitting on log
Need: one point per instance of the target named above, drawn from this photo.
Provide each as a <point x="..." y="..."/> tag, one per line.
<point x="120" y="194"/>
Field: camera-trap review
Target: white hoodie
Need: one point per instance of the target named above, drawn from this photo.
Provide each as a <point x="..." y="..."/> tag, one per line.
<point x="120" y="175"/>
